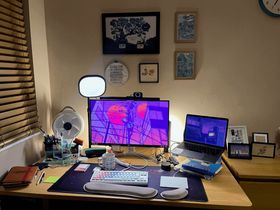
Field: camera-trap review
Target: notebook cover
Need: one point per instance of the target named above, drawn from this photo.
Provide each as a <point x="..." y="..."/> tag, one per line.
<point x="19" y="175"/>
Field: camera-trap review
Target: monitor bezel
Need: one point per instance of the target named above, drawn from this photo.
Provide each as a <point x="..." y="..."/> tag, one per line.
<point x="212" y="117"/>
<point x="125" y="99"/>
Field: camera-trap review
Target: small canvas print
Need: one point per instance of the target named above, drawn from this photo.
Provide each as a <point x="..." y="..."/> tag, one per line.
<point x="185" y="26"/>
<point x="184" y="64"/>
<point x="130" y="33"/>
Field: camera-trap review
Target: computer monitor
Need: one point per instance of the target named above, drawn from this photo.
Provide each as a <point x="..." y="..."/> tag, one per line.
<point x="129" y="122"/>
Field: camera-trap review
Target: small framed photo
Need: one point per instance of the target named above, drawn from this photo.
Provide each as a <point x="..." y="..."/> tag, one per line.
<point x="185" y="26"/>
<point x="239" y="151"/>
<point x="260" y="137"/>
<point x="184" y="61"/>
<point x="148" y="72"/>
<point x="260" y="149"/>
<point x="237" y="134"/>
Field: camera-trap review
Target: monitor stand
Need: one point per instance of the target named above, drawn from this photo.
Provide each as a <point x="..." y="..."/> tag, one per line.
<point x="132" y="153"/>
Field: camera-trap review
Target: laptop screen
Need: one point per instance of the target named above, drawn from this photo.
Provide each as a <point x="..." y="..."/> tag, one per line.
<point x="206" y="130"/>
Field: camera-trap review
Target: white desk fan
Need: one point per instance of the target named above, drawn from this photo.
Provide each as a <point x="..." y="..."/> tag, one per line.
<point x="66" y="126"/>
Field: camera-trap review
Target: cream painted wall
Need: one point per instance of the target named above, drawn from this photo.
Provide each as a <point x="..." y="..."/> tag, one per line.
<point x="40" y="61"/>
<point x="237" y="59"/>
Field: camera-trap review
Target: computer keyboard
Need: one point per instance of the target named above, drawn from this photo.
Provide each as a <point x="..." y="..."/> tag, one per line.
<point x="121" y="177"/>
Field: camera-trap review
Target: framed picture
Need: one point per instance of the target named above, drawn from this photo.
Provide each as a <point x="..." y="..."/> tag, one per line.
<point x="260" y="137"/>
<point x="184" y="61"/>
<point x="185" y="26"/>
<point x="260" y="149"/>
<point x="131" y="33"/>
<point x="237" y="134"/>
<point x="148" y="72"/>
<point x="240" y="151"/>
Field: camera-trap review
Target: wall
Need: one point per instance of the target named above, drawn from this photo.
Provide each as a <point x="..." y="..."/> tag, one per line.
<point x="237" y="59"/>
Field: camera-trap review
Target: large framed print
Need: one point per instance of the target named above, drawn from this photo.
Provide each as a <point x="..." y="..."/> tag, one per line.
<point x="131" y="33"/>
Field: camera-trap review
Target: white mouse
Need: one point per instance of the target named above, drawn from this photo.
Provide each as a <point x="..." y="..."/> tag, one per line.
<point x="176" y="194"/>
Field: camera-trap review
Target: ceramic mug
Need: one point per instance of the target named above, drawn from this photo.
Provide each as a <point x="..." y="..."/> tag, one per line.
<point x="107" y="161"/>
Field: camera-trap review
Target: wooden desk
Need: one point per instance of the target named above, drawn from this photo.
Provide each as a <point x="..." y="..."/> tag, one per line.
<point x="223" y="193"/>
<point x="260" y="179"/>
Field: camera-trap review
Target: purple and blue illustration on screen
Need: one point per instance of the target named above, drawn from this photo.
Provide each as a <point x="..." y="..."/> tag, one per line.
<point x="129" y="122"/>
<point x="206" y="130"/>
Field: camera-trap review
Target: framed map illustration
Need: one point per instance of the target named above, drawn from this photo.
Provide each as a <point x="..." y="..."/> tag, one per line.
<point x="185" y="26"/>
<point x="184" y="61"/>
<point x="131" y="33"/>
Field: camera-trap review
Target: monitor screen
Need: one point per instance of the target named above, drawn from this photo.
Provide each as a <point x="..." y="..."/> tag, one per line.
<point x="129" y="122"/>
<point x="206" y="130"/>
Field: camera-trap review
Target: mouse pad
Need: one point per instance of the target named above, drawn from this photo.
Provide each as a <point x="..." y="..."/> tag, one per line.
<point x="73" y="182"/>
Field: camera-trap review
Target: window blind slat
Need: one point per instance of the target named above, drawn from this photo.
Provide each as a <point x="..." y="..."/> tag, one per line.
<point x="10" y="6"/>
<point x="15" y="72"/>
<point x="18" y="107"/>
<point x="8" y="38"/>
<point x="17" y="98"/>
<point x="8" y="107"/>
<point x="16" y="92"/>
<point x="11" y="26"/>
<point x="17" y="125"/>
<point x="16" y="3"/>
<point x="18" y="133"/>
<point x="13" y="46"/>
<point x="17" y="111"/>
<point x="11" y="13"/>
<point x="7" y="79"/>
<point x="13" y="52"/>
<point x="11" y="19"/>
<point x="14" y="65"/>
<point x="18" y="118"/>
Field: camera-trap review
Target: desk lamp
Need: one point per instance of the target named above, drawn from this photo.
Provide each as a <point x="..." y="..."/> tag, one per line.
<point x="91" y="86"/>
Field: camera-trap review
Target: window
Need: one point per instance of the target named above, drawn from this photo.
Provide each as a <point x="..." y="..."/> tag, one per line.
<point x="18" y="109"/>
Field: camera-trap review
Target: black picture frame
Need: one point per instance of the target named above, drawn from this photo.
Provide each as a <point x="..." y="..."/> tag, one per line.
<point x="260" y="137"/>
<point x="260" y="149"/>
<point x="148" y="72"/>
<point x="239" y="151"/>
<point x="121" y="35"/>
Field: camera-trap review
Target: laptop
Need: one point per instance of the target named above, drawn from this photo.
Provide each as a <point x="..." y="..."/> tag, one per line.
<point x="204" y="138"/>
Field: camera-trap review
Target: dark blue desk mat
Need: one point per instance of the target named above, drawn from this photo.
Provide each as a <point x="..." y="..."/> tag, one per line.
<point x="73" y="182"/>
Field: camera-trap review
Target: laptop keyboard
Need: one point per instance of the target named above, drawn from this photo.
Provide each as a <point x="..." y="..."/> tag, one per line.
<point x="199" y="148"/>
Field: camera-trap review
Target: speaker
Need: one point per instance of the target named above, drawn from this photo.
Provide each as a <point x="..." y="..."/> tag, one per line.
<point x="138" y="95"/>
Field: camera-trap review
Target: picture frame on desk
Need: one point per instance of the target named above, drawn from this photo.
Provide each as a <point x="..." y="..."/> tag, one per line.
<point x="260" y="137"/>
<point x="260" y="149"/>
<point x="239" y="151"/>
<point x="237" y="134"/>
<point x="149" y="72"/>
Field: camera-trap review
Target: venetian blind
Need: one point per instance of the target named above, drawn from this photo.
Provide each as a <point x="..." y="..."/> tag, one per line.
<point x="18" y="109"/>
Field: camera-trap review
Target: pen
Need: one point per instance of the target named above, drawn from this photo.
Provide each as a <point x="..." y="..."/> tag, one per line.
<point x="40" y="178"/>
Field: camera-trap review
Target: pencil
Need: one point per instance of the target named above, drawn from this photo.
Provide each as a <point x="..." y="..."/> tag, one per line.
<point x="40" y="178"/>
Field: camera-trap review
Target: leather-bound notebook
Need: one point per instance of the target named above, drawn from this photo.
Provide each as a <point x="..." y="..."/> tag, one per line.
<point x="19" y="176"/>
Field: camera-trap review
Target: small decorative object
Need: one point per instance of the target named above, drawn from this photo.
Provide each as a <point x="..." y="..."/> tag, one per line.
<point x="149" y="72"/>
<point x="185" y="26"/>
<point x="270" y="7"/>
<point x="116" y="73"/>
<point x="184" y="64"/>
<point x="131" y="33"/>
<point x="237" y="134"/>
<point x="239" y="151"/>
<point x="260" y="137"/>
<point x="263" y="149"/>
